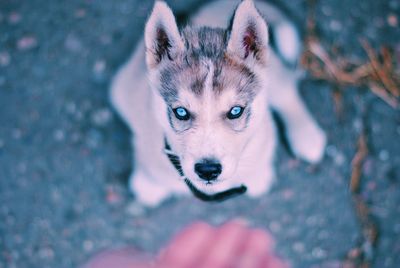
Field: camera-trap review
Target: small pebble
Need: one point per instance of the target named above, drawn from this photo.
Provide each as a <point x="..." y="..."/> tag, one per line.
<point x="388" y="262"/>
<point x="101" y="117"/>
<point x="15" y="254"/>
<point x="335" y="25"/>
<point x="331" y="150"/>
<point x="14" y="17"/>
<point x="379" y="22"/>
<point x="126" y="8"/>
<point x="76" y="137"/>
<point x="129" y="233"/>
<point x="312" y="221"/>
<point x="112" y="196"/>
<point x="371" y="185"/>
<point x="275" y="227"/>
<point x="72" y="43"/>
<point x="287" y="194"/>
<point x="392" y="20"/>
<point x="80" y="13"/>
<point x="372" y="33"/>
<point x="327" y="11"/>
<point x="93" y="138"/>
<point x="86" y="105"/>
<point x="376" y="128"/>
<point x="10" y="220"/>
<point x="319" y="253"/>
<point x="298" y="247"/>
<point x="368" y="250"/>
<point x="218" y="219"/>
<point x="106" y="39"/>
<point x="78" y="115"/>
<point x="4" y="59"/>
<point x="134" y="209"/>
<point x="357" y="124"/>
<point x="59" y="135"/>
<point x="21" y="167"/>
<point x="293" y="231"/>
<point x="16" y="133"/>
<point x="394" y="4"/>
<point x="396" y="228"/>
<point x="18" y="239"/>
<point x="338" y="157"/>
<point x="88" y="245"/>
<point x="322" y="235"/>
<point x="381" y="212"/>
<point x="70" y="107"/>
<point x="46" y="253"/>
<point x="56" y="195"/>
<point x="99" y="66"/>
<point x="26" y="43"/>
<point x="384" y="155"/>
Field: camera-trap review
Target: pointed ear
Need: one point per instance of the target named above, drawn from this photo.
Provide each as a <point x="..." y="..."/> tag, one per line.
<point x="162" y="38"/>
<point x="249" y="33"/>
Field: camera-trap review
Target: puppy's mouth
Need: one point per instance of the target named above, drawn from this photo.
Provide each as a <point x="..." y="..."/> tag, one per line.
<point x="215" y="197"/>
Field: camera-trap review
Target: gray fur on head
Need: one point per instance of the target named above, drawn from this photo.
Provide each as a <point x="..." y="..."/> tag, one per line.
<point x="182" y="58"/>
<point x="205" y="45"/>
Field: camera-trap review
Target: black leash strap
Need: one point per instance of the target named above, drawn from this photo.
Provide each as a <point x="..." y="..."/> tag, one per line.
<point x="217" y="197"/>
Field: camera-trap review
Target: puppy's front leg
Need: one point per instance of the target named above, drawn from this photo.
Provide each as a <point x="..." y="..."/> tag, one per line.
<point x="261" y="182"/>
<point x="306" y="138"/>
<point x="146" y="191"/>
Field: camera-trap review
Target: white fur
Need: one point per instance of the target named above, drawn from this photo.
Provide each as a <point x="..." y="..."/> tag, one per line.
<point x="217" y="14"/>
<point x="162" y="16"/>
<point x="287" y="42"/>
<point x="246" y="14"/>
<point x="154" y="178"/>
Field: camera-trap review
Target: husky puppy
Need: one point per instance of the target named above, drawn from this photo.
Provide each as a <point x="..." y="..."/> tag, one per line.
<point x="199" y="101"/>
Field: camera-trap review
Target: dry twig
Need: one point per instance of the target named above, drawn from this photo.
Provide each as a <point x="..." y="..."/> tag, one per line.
<point x="379" y="72"/>
<point x="357" y="164"/>
<point x="363" y="253"/>
<point x="381" y="75"/>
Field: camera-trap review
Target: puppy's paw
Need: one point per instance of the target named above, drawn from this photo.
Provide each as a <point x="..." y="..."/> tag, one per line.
<point x="146" y="192"/>
<point x="308" y="142"/>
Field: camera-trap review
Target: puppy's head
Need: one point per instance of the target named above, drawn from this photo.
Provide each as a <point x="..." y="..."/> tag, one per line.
<point x="210" y="90"/>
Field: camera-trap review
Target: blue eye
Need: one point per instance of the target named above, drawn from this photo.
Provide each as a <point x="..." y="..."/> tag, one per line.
<point x="235" y="112"/>
<point x="181" y="113"/>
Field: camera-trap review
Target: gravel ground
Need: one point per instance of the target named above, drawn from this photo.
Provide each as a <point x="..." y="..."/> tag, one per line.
<point x="65" y="155"/>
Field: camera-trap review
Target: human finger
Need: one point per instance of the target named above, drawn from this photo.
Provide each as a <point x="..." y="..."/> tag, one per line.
<point x="187" y="246"/>
<point x="224" y="248"/>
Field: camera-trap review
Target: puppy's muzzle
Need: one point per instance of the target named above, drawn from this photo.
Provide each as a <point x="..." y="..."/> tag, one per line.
<point x="208" y="169"/>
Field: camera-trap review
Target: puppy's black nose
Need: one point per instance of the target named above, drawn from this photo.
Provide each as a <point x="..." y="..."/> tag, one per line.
<point x="208" y="169"/>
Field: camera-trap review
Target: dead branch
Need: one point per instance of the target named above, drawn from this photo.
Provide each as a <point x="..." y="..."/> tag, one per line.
<point x="357" y="164"/>
<point x="379" y="73"/>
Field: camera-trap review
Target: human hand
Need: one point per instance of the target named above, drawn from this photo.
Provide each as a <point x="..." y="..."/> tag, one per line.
<point x="232" y="245"/>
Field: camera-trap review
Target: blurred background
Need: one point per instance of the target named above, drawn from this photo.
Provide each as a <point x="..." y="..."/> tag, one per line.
<point x="65" y="156"/>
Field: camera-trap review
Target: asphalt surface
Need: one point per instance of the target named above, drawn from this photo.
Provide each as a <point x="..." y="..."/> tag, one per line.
<point x="65" y="155"/>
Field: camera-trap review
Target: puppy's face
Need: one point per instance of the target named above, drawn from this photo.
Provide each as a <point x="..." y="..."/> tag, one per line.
<point x="209" y="90"/>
